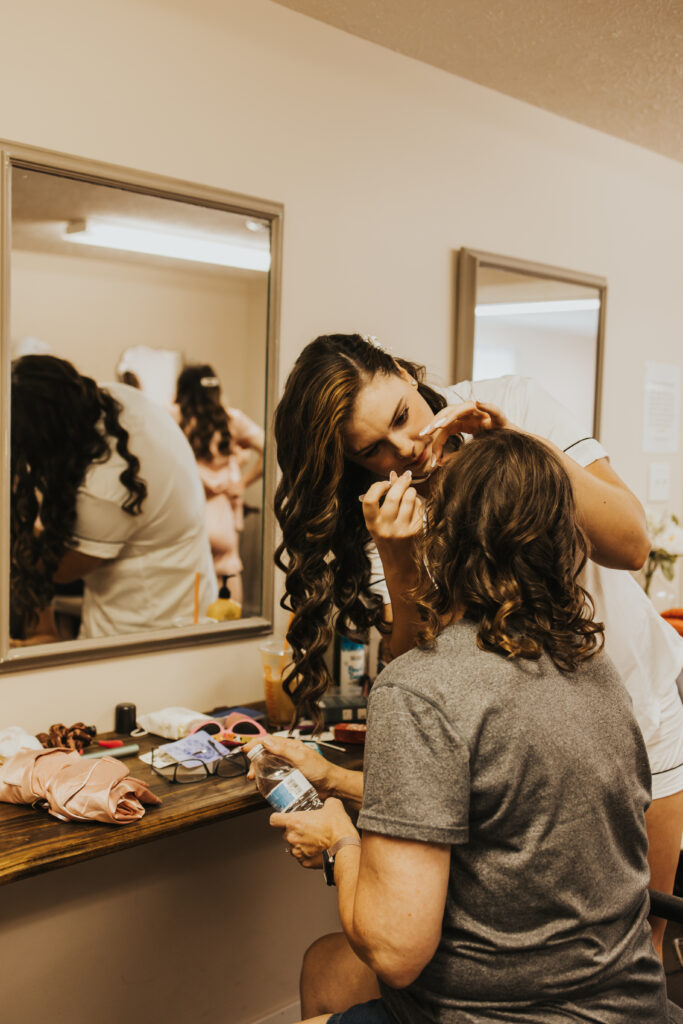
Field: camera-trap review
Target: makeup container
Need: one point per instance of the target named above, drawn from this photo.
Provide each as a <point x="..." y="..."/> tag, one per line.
<point x="125" y="718"/>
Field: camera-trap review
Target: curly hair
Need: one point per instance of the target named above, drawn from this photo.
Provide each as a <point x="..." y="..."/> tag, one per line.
<point x="324" y="537"/>
<point x="62" y="422"/>
<point x="502" y="546"/>
<point x="198" y="395"/>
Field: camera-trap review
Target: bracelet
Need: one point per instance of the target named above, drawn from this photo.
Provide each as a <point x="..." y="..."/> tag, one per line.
<point x="330" y="854"/>
<point x="344" y="841"/>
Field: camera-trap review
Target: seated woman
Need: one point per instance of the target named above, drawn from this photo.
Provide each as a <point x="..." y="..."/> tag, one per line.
<point x="502" y="873"/>
<point x="223" y="440"/>
<point x="104" y="488"/>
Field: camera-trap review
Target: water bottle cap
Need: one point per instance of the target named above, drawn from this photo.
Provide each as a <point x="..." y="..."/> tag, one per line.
<point x="255" y="751"/>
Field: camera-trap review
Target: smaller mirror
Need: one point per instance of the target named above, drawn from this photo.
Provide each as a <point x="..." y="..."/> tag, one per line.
<point x="515" y="317"/>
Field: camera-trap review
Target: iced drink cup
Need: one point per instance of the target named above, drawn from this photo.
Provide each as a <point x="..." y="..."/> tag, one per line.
<point x="276" y="658"/>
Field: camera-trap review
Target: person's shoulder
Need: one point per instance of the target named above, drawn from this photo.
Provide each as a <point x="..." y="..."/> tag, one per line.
<point x="426" y="672"/>
<point x="135" y="404"/>
<point x="123" y="393"/>
<point x="497" y="390"/>
<point x="241" y="426"/>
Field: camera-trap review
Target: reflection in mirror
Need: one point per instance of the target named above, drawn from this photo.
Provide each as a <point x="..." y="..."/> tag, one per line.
<point x="533" y="321"/>
<point x="138" y="341"/>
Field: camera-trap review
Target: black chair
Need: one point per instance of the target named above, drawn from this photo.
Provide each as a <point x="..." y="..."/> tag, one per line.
<point x="671" y="909"/>
<point x="668" y="907"/>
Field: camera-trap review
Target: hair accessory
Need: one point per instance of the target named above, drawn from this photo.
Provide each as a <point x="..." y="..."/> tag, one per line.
<point x="372" y="340"/>
<point x="75" y="737"/>
<point x="209" y="382"/>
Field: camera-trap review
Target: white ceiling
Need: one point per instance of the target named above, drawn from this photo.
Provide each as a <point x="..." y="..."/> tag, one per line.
<point x="614" y="65"/>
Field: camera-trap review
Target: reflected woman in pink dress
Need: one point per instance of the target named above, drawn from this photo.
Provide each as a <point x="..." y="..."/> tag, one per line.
<point x="223" y="440"/>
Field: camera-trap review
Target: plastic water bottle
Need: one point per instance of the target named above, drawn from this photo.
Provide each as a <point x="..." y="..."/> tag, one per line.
<point x="284" y="787"/>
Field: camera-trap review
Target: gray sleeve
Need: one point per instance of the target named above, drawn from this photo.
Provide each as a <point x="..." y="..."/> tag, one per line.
<point x="416" y="768"/>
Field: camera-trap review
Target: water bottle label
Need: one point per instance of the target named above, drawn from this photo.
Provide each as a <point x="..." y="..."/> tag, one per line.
<point x="289" y="791"/>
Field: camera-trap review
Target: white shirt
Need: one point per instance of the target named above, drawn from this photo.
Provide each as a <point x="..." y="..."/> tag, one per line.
<point x="646" y="651"/>
<point x="150" y="579"/>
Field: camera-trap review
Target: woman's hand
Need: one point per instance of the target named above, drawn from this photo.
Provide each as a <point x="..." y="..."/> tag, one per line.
<point x="310" y="763"/>
<point x="467" y="418"/>
<point x="399" y="517"/>
<point x="308" y="833"/>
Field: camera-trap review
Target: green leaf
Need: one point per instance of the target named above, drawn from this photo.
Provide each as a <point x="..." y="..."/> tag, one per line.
<point x="668" y="568"/>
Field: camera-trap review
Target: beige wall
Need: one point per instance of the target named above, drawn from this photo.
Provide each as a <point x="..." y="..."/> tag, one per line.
<point x="385" y="167"/>
<point x="89" y="310"/>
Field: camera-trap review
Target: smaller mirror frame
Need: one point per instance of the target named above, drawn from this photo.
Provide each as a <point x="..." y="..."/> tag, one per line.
<point x="17" y="156"/>
<point x="469" y="262"/>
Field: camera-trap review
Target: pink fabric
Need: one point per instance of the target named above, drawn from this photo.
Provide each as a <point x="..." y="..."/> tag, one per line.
<point x="75" y="788"/>
<point x="98" y="790"/>
<point x="221" y="476"/>
<point x="24" y="778"/>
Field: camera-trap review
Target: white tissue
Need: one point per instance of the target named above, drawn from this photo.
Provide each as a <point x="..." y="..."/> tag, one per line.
<point x="13" y="738"/>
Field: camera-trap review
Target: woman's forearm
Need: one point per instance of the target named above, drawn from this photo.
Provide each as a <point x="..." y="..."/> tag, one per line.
<point x="610" y="514"/>
<point x="346" y="785"/>
<point x="254" y="473"/>
<point x="401" y="576"/>
<point x="346" y="866"/>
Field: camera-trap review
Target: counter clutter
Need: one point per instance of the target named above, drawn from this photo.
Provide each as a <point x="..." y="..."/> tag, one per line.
<point x="32" y="842"/>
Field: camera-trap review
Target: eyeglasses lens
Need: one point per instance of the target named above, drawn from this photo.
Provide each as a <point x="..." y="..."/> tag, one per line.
<point x="190" y="771"/>
<point x="233" y="765"/>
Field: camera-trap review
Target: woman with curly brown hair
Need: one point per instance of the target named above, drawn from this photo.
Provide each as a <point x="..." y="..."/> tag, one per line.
<point x="350" y="417"/>
<point x="104" y="488"/>
<point x="223" y="440"/>
<point x="502" y="871"/>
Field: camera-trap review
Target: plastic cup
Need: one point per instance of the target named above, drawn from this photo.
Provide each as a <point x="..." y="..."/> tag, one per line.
<point x="275" y="658"/>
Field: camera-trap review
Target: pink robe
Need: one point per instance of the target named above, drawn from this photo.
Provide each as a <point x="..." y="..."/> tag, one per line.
<point x="223" y="487"/>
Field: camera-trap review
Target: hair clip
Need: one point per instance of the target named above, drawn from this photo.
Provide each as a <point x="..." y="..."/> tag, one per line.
<point x="209" y="382"/>
<point x="372" y="340"/>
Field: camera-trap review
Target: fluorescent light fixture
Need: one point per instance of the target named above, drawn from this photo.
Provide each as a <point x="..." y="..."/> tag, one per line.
<point x="175" y="245"/>
<point x="527" y="308"/>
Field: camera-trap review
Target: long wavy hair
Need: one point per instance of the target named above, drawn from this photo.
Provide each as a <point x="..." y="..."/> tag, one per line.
<point x="502" y="545"/>
<point x="198" y="395"/>
<point x="62" y="422"/>
<point x="324" y="537"/>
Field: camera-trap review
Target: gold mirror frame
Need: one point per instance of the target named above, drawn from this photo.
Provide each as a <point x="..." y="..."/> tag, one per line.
<point x="469" y="263"/>
<point x="17" y="156"/>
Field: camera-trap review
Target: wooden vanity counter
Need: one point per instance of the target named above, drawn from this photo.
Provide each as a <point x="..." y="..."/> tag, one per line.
<point x="33" y="842"/>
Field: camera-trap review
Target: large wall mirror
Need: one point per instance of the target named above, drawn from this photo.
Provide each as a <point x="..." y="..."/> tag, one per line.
<point x="516" y="317"/>
<point x="139" y="352"/>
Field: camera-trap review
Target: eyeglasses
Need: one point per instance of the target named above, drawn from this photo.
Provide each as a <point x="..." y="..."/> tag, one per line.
<point x="225" y="766"/>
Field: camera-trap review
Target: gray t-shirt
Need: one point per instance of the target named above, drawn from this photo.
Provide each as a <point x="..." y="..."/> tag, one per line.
<point x="538" y="780"/>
